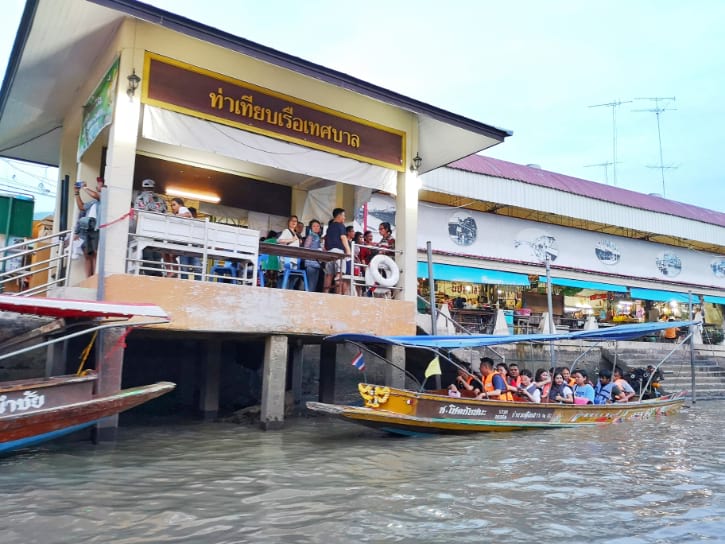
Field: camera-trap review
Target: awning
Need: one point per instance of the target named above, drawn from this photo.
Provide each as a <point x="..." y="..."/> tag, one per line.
<point x="450" y="272"/>
<point x="662" y="296"/>
<point x="714" y="300"/>
<point x="596" y="286"/>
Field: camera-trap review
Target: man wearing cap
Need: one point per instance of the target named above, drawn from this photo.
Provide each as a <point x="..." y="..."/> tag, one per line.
<point x="146" y="200"/>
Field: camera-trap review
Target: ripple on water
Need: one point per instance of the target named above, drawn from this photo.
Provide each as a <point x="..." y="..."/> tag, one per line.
<point x="322" y="481"/>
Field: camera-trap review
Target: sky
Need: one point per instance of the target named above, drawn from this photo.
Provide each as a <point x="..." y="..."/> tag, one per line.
<point x="535" y="68"/>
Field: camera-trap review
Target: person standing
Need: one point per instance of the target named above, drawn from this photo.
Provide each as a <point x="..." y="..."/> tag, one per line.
<point x="289" y="237"/>
<point x="336" y="241"/>
<point x="146" y="200"/>
<point x="313" y="240"/>
<point x="386" y="236"/>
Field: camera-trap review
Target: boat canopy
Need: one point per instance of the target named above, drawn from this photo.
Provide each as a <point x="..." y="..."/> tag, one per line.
<point x="619" y="332"/>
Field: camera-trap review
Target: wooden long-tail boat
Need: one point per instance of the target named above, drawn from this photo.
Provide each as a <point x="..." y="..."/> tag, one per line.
<point x="406" y="412"/>
<point x="40" y="409"/>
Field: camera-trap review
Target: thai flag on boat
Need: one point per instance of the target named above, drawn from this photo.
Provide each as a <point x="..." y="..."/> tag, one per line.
<point x="358" y="361"/>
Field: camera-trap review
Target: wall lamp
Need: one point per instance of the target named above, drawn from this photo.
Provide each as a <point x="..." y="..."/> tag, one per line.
<point x="415" y="165"/>
<point x="133" y="81"/>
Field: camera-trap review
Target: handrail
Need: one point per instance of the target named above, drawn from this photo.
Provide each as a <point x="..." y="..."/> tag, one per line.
<point x="56" y="266"/>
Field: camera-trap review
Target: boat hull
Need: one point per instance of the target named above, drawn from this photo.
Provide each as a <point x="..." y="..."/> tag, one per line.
<point x="21" y="429"/>
<point x="408" y="412"/>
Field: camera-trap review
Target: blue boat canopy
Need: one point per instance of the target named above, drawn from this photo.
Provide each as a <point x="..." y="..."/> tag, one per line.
<point x="597" y="286"/>
<point x="661" y="296"/>
<point x="619" y="332"/>
<point x="451" y="272"/>
<point x="714" y="300"/>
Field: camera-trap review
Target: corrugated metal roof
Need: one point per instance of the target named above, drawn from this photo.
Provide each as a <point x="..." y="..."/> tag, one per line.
<point x="536" y="176"/>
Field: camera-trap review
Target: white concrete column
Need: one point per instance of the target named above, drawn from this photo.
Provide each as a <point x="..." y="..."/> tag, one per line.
<point x="274" y="378"/>
<point x="120" y="162"/>
<point x="395" y="377"/>
<point x="406" y="238"/>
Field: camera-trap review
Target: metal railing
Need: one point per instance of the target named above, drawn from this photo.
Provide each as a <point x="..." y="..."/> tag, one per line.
<point x="20" y="262"/>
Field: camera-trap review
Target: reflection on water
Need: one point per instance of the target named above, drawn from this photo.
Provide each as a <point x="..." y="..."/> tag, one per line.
<point x="324" y="481"/>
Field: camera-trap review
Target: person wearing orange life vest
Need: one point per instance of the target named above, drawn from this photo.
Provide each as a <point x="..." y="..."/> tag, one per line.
<point x="466" y="382"/>
<point x="493" y="384"/>
<point x="513" y="382"/>
<point x="506" y="394"/>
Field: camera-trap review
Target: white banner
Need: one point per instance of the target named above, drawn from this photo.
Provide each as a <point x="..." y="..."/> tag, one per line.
<point x="476" y="234"/>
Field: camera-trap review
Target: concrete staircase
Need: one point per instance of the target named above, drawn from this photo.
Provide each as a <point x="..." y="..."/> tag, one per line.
<point x="709" y="366"/>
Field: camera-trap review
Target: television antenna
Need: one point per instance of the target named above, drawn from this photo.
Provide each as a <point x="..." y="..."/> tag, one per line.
<point x="605" y="165"/>
<point x="614" y="105"/>
<point x="660" y="105"/>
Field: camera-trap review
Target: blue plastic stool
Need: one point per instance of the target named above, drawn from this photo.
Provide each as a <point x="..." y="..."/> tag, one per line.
<point x="289" y="271"/>
<point x="224" y="270"/>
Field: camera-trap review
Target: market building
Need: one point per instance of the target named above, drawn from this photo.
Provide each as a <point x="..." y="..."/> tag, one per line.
<point x="616" y="254"/>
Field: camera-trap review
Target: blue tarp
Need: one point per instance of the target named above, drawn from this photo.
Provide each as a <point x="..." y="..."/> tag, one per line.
<point x="714" y="300"/>
<point x="597" y="286"/>
<point x="619" y="332"/>
<point x="451" y="272"/>
<point x="661" y="296"/>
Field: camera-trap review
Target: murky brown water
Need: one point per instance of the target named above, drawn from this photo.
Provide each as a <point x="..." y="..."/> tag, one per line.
<point x="321" y="481"/>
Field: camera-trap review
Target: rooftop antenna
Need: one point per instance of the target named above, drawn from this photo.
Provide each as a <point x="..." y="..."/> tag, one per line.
<point x="660" y="105"/>
<point x="614" y="105"/>
<point x="606" y="166"/>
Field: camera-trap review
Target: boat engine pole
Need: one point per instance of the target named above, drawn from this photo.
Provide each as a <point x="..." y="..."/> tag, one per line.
<point x="550" y="305"/>
<point x="692" y="347"/>
<point x="432" y="294"/>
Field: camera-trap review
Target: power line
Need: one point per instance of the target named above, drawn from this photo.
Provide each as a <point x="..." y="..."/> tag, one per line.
<point x="614" y="105"/>
<point x="657" y="110"/>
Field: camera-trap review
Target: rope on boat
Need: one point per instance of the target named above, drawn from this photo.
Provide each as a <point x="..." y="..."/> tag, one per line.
<point x="85" y="353"/>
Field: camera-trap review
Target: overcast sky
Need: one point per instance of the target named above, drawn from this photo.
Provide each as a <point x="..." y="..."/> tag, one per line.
<point x="532" y="67"/>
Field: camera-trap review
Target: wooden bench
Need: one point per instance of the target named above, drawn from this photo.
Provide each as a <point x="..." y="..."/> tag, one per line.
<point x="196" y="238"/>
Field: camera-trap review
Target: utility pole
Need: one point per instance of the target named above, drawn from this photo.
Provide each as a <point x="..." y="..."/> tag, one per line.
<point x="614" y="105"/>
<point x="606" y="166"/>
<point x="660" y="104"/>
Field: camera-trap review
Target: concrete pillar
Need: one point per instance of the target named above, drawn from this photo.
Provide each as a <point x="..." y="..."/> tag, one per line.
<point x="395" y="377"/>
<point x="109" y="365"/>
<point x="406" y="227"/>
<point x="328" y="355"/>
<point x="211" y="368"/>
<point x="274" y="379"/>
<point x="297" y="352"/>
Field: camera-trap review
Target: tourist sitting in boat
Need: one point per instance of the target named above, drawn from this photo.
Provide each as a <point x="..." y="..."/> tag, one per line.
<point x="623" y="392"/>
<point x="542" y="378"/>
<point x="494" y="386"/>
<point x="528" y="391"/>
<point x="466" y="384"/>
<point x="513" y="381"/>
<point x="508" y="393"/>
<point x="583" y="391"/>
<point x="603" y="389"/>
<point x="560" y="392"/>
<point x="566" y="374"/>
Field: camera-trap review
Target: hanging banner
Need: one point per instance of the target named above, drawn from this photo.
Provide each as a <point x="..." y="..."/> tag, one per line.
<point x="98" y="109"/>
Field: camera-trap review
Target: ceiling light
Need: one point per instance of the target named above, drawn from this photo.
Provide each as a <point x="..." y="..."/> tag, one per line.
<point x="194" y="195"/>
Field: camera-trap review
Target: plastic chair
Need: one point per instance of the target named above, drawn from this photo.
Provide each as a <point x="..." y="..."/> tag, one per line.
<point x="289" y="271"/>
<point x="226" y="269"/>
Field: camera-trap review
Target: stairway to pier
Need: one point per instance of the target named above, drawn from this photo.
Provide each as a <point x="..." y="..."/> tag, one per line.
<point x="709" y="366"/>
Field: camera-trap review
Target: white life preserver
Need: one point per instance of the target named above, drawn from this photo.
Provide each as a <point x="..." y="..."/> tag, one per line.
<point x="383" y="263"/>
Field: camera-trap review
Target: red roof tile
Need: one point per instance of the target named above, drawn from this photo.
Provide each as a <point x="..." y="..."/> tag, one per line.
<point x="479" y="164"/>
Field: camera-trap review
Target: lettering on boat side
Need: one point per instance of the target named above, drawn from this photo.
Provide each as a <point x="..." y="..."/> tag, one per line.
<point x="485" y="412"/>
<point x="28" y="400"/>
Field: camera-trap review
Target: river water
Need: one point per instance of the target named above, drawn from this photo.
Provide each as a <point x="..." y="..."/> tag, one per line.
<point x="324" y="481"/>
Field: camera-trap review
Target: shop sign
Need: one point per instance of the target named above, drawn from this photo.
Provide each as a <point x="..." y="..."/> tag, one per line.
<point x="98" y="109"/>
<point x="191" y="90"/>
<point x="598" y="296"/>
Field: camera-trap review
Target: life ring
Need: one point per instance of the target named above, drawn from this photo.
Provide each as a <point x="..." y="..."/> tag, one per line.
<point x="383" y="263"/>
<point x="374" y="288"/>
